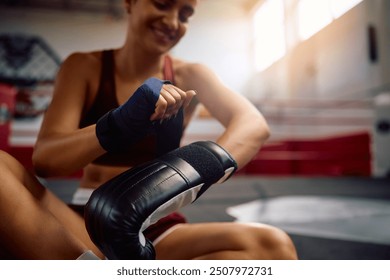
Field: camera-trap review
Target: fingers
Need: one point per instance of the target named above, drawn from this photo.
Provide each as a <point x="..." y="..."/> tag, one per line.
<point x="189" y="95"/>
<point x="174" y="98"/>
<point x="170" y="101"/>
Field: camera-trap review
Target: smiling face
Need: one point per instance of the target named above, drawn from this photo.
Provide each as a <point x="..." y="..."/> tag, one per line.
<point x="159" y="24"/>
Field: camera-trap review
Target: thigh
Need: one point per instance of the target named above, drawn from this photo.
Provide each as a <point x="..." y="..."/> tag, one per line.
<point x="211" y="241"/>
<point x="24" y="188"/>
<point x="20" y="190"/>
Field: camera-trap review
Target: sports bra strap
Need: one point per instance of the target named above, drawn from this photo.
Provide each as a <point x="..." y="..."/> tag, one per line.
<point x="168" y="69"/>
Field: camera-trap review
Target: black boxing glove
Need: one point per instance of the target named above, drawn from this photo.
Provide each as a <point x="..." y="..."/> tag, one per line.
<point x="128" y="123"/>
<point x="120" y="210"/>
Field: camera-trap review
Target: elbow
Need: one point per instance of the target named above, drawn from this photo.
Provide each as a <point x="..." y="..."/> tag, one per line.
<point x="39" y="167"/>
<point x="261" y="130"/>
<point x="43" y="166"/>
<point x="266" y="132"/>
<point x="41" y="171"/>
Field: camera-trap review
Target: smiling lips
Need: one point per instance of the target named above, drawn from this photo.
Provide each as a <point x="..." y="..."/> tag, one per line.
<point x="163" y="36"/>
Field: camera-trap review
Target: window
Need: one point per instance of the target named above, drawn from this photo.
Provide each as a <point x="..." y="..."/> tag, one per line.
<point x="269" y="25"/>
<point x="270" y="43"/>
<point x="315" y="15"/>
<point x="312" y="17"/>
<point x="340" y="7"/>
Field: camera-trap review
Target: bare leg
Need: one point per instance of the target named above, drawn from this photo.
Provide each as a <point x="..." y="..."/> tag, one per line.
<point x="220" y="241"/>
<point x="34" y="223"/>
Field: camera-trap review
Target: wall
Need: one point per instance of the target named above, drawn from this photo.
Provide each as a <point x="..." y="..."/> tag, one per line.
<point x="65" y="32"/>
<point x="219" y="36"/>
<point x="334" y="63"/>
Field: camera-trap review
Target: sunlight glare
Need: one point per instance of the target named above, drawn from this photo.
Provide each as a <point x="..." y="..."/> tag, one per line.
<point x="312" y="17"/>
<point x="269" y="34"/>
<point x="340" y="7"/>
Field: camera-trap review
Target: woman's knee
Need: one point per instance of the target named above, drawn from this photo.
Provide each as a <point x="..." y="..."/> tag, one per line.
<point x="6" y="164"/>
<point x="8" y="161"/>
<point x="4" y="157"/>
<point x="268" y="242"/>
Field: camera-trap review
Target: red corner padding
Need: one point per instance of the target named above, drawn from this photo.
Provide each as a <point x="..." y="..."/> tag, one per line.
<point x="342" y="155"/>
<point x="7" y="108"/>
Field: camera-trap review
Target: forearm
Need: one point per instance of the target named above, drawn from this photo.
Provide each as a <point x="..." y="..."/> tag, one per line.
<point x="244" y="136"/>
<point x="64" y="154"/>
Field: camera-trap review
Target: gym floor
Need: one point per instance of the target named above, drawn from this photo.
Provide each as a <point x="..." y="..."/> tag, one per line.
<point x="328" y="218"/>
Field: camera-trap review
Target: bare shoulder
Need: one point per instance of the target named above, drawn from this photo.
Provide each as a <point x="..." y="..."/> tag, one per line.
<point x="77" y="79"/>
<point x="82" y="62"/>
<point x="78" y="76"/>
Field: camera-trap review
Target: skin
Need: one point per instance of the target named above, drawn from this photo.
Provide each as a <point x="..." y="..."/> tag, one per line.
<point x="154" y="27"/>
<point x="35" y="224"/>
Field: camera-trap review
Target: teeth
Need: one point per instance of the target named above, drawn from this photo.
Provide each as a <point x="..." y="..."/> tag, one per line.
<point x="162" y="34"/>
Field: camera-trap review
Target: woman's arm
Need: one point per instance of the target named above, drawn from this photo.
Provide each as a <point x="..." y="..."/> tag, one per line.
<point x="245" y="128"/>
<point x="62" y="148"/>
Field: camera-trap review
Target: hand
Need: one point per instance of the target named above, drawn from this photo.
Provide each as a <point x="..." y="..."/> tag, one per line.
<point x="120" y="128"/>
<point x="171" y="99"/>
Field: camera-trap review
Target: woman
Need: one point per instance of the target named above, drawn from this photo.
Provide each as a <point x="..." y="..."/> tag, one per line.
<point x="68" y="139"/>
